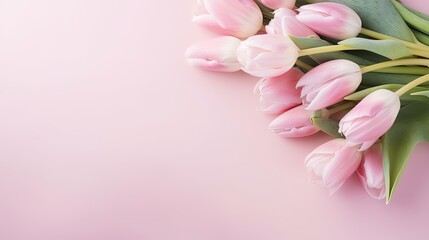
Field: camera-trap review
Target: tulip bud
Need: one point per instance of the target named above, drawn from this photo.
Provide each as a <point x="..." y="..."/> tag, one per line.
<point x="370" y="118"/>
<point x="294" y="123"/>
<point x="286" y="24"/>
<point x="267" y="55"/>
<point x="217" y="54"/>
<point x="332" y="163"/>
<point x="275" y="4"/>
<point x="371" y="172"/>
<point x="332" y="20"/>
<point x="279" y="94"/>
<point x="329" y="83"/>
<point x="239" y="18"/>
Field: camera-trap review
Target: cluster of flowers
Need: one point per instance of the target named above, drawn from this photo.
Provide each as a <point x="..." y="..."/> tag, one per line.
<point x="297" y="92"/>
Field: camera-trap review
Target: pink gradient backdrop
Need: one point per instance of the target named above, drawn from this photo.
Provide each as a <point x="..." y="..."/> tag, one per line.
<point x="107" y="133"/>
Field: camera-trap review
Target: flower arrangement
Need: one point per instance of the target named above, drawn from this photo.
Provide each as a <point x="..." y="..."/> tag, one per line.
<point x="356" y="71"/>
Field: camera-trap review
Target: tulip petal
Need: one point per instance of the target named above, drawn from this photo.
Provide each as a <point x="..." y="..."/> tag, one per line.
<point x="275" y="4"/>
<point x="329" y="83"/>
<point x="332" y="163"/>
<point x="333" y="20"/>
<point x="370" y="119"/>
<point x="239" y="18"/>
<point x="267" y="55"/>
<point x="296" y="122"/>
<point x="217" y="54"/>
<point x="371" y="173"/>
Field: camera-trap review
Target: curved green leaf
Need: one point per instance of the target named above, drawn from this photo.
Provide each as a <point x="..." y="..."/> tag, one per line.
<point x="421" y="93"/>
<point x="388" y="48"/>
<point x="410" y="128"/>
<point x="414" y="20"/>
<point x="423" y="38"/>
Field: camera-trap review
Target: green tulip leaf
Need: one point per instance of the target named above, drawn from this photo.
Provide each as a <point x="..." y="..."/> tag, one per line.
<point x="391" y="49"/>
<point x="378" y="15"/>
<point x="410" y="128"/>
<point x="411" y="18"/>
<point x="421" y="93"/>
<point x="423" y="38"/>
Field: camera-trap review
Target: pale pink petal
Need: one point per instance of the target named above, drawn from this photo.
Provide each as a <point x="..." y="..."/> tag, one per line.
<point x="217" y="54"/>
<point x="267" y="55"/>
<point x="239" y="18"/>
<point x="332" y="163"/>
<point x="370" y="119"/>
<point x="329" y="83"/>
<point x="275" y="4"/>
<point x="294" y="123"/>
<point x="371" y="173"/>
<point x="332" y="20"/>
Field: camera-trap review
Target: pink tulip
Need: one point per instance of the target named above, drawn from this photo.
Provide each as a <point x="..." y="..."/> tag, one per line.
<point x="332" y="20"/>
<point x="329" y="83"/>
<point x="332" y="163"/>
<point x="217" y="54"/>
<point x="239" y="18"/>
<point x="371" y="172"/>
<point x="294" y="123"/>
<point x="285" y="23"/>
<point x="279" y="94"/>
<point x="370" y="119"/>
<point x="275" y="4"/>
<point x="267" y="55"/>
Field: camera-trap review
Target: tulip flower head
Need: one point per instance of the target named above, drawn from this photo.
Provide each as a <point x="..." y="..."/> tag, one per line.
<point x="285" y="23"/>
<point x="332" y="20"/>
<point x="217" y="54"/>
<point x="370" y="118"/>
<point x="329" y="83"/>
<point x="294" y="123"/>
<point x="371" y="172"/>
<point x="279" y="94"/>
<point x="239" y="18"/>
<point x="275" y="4"/>
<point x="332" y="163"/>
<point x="267" y="55"/>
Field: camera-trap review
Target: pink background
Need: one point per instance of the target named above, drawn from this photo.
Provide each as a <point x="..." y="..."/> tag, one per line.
<point x="107" y="133"/>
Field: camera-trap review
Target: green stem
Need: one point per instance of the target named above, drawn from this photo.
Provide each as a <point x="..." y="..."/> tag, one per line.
<point x="405" y="70"/>
<point x="420" y="53"/>
<point x="325" y="49"/>
<point x="412" y="85"/>
<point x="381" y="36"/>
<point x="394" y="63"/>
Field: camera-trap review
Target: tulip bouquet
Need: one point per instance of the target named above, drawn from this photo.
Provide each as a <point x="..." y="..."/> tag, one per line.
<point x="356" y="70"/>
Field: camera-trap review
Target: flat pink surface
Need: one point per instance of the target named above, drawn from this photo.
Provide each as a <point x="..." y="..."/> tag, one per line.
<point x="107" y="133"/>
